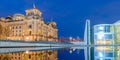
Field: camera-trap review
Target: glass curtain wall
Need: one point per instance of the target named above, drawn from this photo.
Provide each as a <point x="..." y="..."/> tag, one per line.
<point x="117" y="39"/>
<point x="103" y="37"/>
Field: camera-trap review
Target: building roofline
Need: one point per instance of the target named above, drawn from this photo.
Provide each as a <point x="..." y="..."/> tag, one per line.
<point x="102" y="25"/>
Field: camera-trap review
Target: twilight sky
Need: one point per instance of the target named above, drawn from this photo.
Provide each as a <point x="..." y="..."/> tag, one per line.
<point x="70" y="15"/>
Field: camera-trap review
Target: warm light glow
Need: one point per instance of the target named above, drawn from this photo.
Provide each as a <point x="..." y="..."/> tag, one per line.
<point x="103" y="42"/>
<point x="27" y="38"/>
<point x="26" y="52"/>
<point x="104" y="48"/>
<point x="28" y="27"/>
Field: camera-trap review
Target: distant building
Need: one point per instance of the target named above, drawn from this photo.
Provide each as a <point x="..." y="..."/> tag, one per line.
<point x="30" y="27"/>
<point x="70" y="39"/>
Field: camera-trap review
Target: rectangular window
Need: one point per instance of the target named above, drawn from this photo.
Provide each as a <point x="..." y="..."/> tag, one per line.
<point x="107" y="28"/>
<point x="109" y="54"/>
<point x="108" y="36"/>
<point x="16" y="27"/>
<point x="13" y="27"/>
<point x="19" y="26"/>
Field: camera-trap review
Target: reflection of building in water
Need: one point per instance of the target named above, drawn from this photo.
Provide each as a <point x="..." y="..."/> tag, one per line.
<point x="104" y="35"/>
<point x="29" y="27"/>
<point x="87" y="38"/>
<point x="107" y="34"/>
<point x="28" y="55"/>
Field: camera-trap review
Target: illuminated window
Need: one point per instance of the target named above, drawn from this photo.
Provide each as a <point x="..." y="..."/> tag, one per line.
<point x="98" y="29"/>
<point x="103" y="28"/>
<point x="108" y="36"/>
<point x="100" y="35"/>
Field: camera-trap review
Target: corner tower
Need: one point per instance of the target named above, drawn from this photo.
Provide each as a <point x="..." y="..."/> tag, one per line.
<point x="33" y="13"/>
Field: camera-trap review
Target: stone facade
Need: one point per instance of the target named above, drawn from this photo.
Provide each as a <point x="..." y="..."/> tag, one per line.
<point x="30" y="27"/>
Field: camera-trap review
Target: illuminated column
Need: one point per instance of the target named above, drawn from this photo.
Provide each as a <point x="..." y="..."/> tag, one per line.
<point x="87" y="38"/>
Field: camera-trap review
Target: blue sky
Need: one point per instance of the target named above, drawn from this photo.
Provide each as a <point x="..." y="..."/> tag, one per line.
<point x="70" y="15"/>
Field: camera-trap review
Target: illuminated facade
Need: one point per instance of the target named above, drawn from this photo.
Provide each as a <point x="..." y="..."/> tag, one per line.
<point x="107" y="34"/>
<point x="30" y="27"/>
<point x="117" y="32"/>
<point x="104" y="35"/>
<point x="29" y="55"/>
<point x="117" y="39"/>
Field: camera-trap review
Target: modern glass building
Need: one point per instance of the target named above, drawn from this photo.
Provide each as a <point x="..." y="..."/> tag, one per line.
<point x="104" y="35"/>
<point x="117" y="39"/>
<point x="117" y="32"/>
<point x="105" y="41"/>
